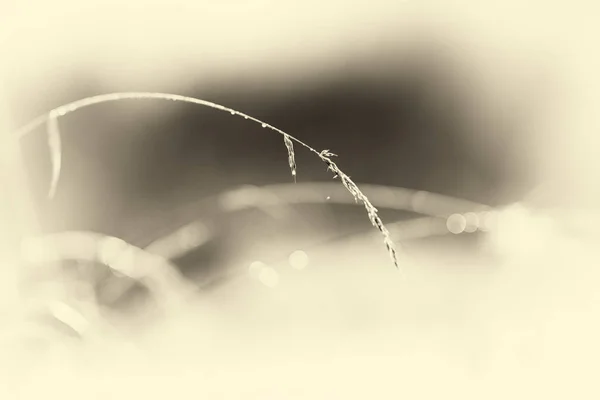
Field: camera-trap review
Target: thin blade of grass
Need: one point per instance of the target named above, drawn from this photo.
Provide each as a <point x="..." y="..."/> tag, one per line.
<point x="324" y="155"/>
<point x="55" y="148"/>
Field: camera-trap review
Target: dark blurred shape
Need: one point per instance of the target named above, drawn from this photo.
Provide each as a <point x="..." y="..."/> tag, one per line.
<point x="128" y="172"/>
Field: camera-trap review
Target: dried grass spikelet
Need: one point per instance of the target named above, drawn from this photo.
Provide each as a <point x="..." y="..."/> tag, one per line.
<point x="291" y="157"/>
<point x="51" y="119"/>
<point x="358" y="195"/>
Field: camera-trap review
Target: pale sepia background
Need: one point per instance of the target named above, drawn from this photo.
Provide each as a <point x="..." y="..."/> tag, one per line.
<point x="487" y="102"/>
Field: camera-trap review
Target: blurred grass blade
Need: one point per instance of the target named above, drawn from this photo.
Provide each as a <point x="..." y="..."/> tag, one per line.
<point x="54" y="146"/>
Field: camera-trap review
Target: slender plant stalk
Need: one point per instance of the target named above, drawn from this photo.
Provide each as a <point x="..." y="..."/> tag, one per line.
<point x="54" y="144"/>
<point x="325" y="155"/>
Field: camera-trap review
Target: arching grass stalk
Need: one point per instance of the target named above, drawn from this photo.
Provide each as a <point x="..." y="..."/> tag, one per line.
<point x="51" y="118"/>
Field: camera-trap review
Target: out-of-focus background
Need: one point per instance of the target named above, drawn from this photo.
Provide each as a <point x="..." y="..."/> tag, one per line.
<point x="470" y="125"/>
